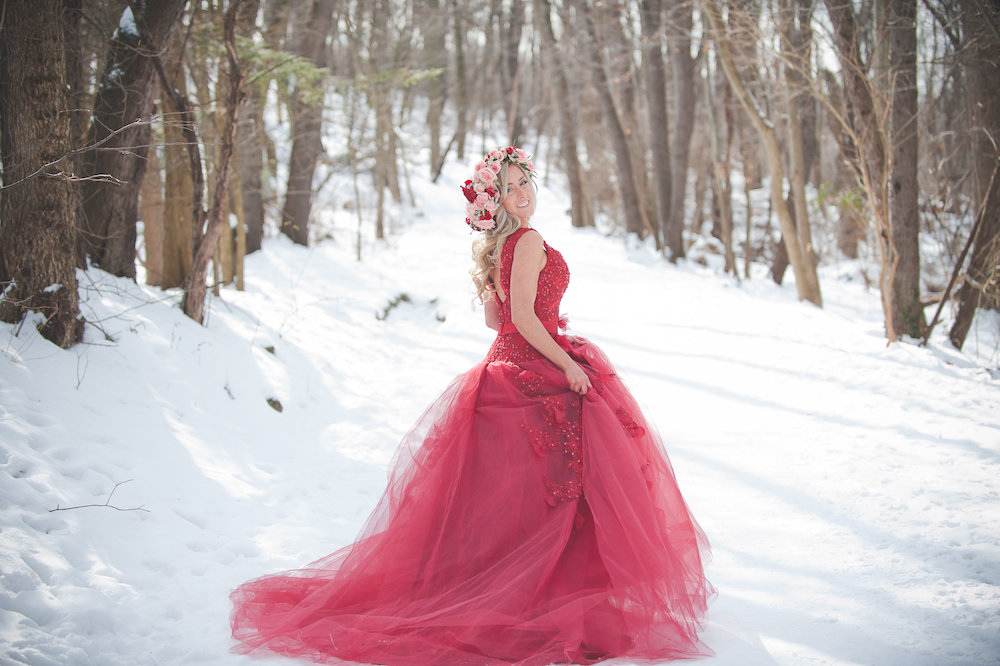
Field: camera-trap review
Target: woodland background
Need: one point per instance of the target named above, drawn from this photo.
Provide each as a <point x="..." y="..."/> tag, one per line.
<point x="134" y="133"/>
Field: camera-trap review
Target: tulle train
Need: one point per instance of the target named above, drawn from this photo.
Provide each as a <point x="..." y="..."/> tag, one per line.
<point x="521" y="525"/>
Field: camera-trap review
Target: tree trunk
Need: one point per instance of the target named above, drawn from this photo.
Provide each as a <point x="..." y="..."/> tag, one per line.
<point x="659" y="131"/>
<point x="581" y="211"/>
<point x="178" y="186"/>
<point x="796" y="41"/>
<point x="796" y="56"/>
<point x="722" y="195"/>
<point x="250" y="145"/>
<point x="152" y="219"/>
<point x="434" y="28"/>
<point x="679" y="26"/>
<point x="511" y="37"/>
<point x="806" y="280"/>
<point x="860" y="119"/>
<point x="37" y="235"/>
<point x="904" y="215"/>
<point x="307" y="128"/>
<point x="744" y="32"/>
<point x="634" y="219"/>
<point x="461" y="81"/>
<point x="980" y="23"/>
<point x="193" y="302"/>
<point x="125" y="95"/>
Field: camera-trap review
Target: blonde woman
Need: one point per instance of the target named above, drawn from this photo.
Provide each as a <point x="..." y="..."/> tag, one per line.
<point x="531" y="517"/>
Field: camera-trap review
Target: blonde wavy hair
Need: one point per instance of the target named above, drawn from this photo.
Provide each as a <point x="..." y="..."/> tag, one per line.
<point x="487" y="248"/>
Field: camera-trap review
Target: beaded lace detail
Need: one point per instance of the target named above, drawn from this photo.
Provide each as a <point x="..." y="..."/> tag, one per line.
<point x="552" y="282"/>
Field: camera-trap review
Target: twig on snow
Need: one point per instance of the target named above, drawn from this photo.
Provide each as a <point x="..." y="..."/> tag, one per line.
<point x="107" y="503"/>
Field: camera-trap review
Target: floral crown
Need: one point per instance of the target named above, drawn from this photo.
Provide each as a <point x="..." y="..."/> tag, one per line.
<point x="483" y="189"/>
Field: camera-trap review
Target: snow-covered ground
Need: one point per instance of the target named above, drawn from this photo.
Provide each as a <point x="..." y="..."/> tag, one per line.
<point x="850" y="489"/>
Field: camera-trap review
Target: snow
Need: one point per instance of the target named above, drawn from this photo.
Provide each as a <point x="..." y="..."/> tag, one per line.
<point x="126" y="25"/>
<point x="849" y="488"/>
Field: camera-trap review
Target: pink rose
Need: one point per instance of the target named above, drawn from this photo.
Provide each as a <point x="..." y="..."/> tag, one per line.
<point x="482" y="199"/>
<point x="487" y="175"/>
<point x="490" y="206"/>
<point x="495" y="166"/>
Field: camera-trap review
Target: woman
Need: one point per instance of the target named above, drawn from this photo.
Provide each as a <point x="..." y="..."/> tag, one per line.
<point x="531" y="515"/>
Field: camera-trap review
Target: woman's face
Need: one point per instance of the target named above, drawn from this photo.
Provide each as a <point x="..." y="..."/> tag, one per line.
<point x="519" y="200"/>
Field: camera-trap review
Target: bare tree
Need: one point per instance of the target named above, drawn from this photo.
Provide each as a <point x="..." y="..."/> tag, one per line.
<point x="656" y="107"/>
<point x="679" y="28"/>
<point x="719" y="167"/>
<point x="460" y="79"/>
<point x="581" y="209"/>
<point x="39" y="200"/>
<point x="307" y="126"/>
<point x="511" y="69"/>
<point x="806" y="279"/>
<point x="907" y="311"/>
<point x="635" y="218"/>
<point x="434" y="27"/>
<point x="981" y="56"/>
<point x="795" y="34"/>
<point x="250" y="143"/>
<point x="113" y="174"/>
<point x="193" y="302"/>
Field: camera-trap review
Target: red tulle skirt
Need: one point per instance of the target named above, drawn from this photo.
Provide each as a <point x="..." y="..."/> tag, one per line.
<point x="522" y="524"/>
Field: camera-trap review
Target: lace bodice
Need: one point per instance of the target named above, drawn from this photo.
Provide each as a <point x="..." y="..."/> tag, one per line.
<point x="552" y="282"/>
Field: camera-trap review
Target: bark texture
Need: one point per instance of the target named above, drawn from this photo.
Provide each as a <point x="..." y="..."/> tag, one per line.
<point x="656" y="106"/>
<point x="307" y="129"/>
<point x="37" y="234"/>
<point x="904" y="215"/>
<point x="123" y="103"/>
<point x="981" y="25"/>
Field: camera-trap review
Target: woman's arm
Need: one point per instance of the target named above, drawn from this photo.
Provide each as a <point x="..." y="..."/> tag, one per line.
<point x="492" y="311"/>
<point x="529" y="259"/>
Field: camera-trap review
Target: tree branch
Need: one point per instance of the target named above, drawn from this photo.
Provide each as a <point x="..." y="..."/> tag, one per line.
<point x="107" y="503"/>
<point x="76" y="151"/>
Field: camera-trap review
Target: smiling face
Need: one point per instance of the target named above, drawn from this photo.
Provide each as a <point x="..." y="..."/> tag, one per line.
<point x="519" y="199"/>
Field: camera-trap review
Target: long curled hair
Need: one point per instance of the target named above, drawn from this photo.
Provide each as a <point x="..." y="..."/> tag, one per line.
<point x="487" y="248"/>
<point x="485" y="212"/>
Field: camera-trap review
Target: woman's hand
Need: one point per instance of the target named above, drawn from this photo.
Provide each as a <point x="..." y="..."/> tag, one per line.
<point x="578" y="380"/>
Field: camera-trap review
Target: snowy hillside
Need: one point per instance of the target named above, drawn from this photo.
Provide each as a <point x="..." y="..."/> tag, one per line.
<point x="850" y="489"/>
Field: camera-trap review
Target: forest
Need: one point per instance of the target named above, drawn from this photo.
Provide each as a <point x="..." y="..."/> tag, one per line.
<point x="137" y="136"/>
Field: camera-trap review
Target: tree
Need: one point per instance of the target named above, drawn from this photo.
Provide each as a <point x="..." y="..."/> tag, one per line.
<point x="879" y="116"/>
<point x="806" y="279"/>
<point x="581" y="210"/>
<point x="181" y="209"/>
<point x="679" y="27"/>
<point x="795" y="34"/>
<point x="307" y="125"/>
<point x="511" y="69"/>
<point x="907" y="311"/>
<point x="113" y="174"/>
<point x="39" y="200"/>
<point x="980" y="22"/>
<point x="434" y="26"/>
<point x="635" y="218"/>
<point x="656" y="107"/>
<point x="193" y="302"/>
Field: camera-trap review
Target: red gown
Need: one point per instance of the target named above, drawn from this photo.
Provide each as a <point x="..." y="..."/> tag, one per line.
<point x="522" y="524"/>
